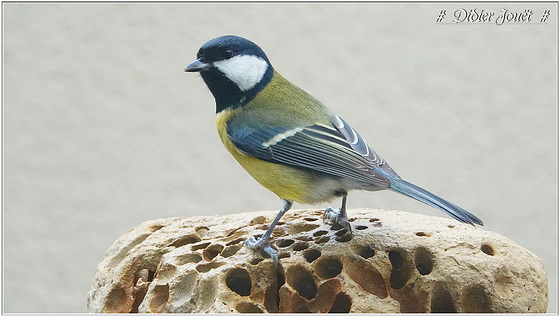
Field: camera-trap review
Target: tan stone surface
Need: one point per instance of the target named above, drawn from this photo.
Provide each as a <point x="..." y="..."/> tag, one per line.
<point x="396" y="262"/>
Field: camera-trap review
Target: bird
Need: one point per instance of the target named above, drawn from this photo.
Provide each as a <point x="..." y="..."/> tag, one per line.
<point x="290" y="142"/>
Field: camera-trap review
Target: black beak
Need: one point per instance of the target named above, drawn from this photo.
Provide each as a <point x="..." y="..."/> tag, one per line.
<point x="197" y="66"/>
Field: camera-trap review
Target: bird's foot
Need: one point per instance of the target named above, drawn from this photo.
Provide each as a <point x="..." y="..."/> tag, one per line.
<point x="331" y="216"/>
<point x="263" y="244"/>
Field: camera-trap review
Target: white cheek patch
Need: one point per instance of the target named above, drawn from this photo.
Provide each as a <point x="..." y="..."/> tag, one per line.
<point x="244" y="70"/>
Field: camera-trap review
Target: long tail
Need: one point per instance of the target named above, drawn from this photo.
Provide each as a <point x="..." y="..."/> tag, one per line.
<point x="411" y="190"/>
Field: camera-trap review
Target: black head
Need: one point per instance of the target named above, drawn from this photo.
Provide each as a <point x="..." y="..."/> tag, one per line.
<point x="234" y="69"/>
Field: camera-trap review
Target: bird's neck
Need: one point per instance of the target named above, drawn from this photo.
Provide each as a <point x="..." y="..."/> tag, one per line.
<point x="227" y="94"/>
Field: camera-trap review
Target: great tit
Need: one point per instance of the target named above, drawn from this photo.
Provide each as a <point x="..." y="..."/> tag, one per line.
<point x="289" y="141"/>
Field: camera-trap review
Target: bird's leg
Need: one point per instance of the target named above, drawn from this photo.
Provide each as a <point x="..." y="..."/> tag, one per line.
<point x="332" y="216"/>
<point x="263" y="243"/>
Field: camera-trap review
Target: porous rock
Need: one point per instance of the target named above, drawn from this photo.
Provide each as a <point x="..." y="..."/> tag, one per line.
<point x="395" y="262"/>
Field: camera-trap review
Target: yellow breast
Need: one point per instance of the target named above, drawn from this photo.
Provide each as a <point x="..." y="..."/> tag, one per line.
<point x="285" y="181"/>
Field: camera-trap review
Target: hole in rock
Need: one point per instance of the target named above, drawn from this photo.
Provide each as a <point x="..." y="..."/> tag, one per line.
<point x="451" y="226"/>
<point x="312" y="255"/>
<point x="300" y="246"/>
<point x="344" y="238"/>
<point x="399" y="273"/>
<point x="231" y="250"/>
<point x="231" y="232"/>
<point x="280" y="278"/>
<point x="364" y="251"/>
<point x="200" y="246"/>
<point x="488" y="249"/>
<point x="299" y="307"/>
<point x="342" y="304"/>
<point x="423" y="261"/>
<point x="248" y="308"/>
<point x="301" y="227"/>
<point x="203" y="268"/>
<point x="304" y="238"/>
<point x="282" y="255"/>
<point x="319" y="233"/>
<point x="327" y="268"/>
<point x="202" y="231"/>
<point x="442" y="301"/>
<point x="374" y="219"/>
<point x="336" y="226"/>
<point x="256" y="261"/>
<point x="398" y="279"/>
<point x="284" y="243"/>
<point x="239" y="281"/>
<point x="159" y="298"/>
<point x="342" y="232"/>
<point x="396" y="259"/>
<point x="323" y="239"/>
<point x="361" y="227"/>
<point x="151" y="275"/>
<point x="264" y="254"/>
<point x="366" y="276"/>
<point x="236" y="241"/>
<point x="423" y="234"/>
<point x="188" y="258"/>
<point x="302" y="281"/>
<point x="190" y="239"/>
<point x="325" y="297"/>
<point x="143" y="273"/>
<point x="352" y="219"/>
<point x="212" y="251"/>
<point x="257" y="220"/>
<point x="475" y="300"/>
<point x="139" y="295"/>
<point x="272" y="293"/>
<point x="116" y="300"/>
<point x="155" y="228"/>
<point x="271" y="300"/>
<point x="310" y="219"/>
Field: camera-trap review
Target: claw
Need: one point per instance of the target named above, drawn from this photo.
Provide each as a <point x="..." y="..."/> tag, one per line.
<point x="331" y="216"/>
<point x="252" y="243"/>
<point x="264" y="245"/>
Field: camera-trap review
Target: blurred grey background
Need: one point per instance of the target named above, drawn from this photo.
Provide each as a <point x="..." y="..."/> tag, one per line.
<point x="103" y="130"/>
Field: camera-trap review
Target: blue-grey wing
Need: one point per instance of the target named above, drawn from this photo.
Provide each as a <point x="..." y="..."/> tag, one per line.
<point x="358" y="144"/>
<point x="336" y="150"/>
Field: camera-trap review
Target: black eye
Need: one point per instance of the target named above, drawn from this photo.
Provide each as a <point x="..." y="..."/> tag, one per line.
<point x="227" y="53"/>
